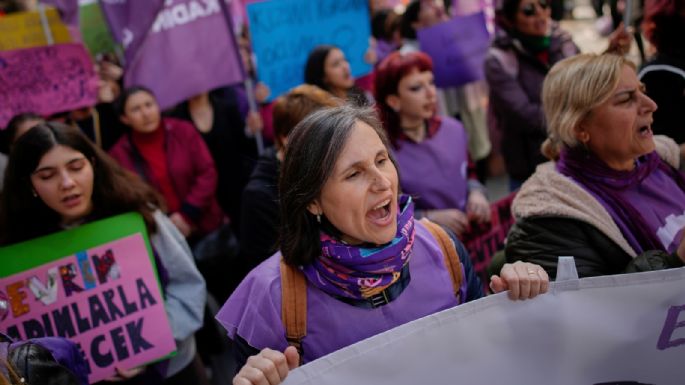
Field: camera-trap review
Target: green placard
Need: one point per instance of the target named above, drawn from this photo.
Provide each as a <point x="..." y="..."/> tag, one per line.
<point x="27" y="255"/>
<point x="94" y="30"/>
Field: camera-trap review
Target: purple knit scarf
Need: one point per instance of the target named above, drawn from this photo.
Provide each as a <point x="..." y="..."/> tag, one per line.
<point x="606" y="184"/>
<point x="360" y="272"/>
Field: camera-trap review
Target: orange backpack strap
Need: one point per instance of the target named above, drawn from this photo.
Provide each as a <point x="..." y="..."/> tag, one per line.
<point x="294" y="305"/>
<point x="449" y="252"/>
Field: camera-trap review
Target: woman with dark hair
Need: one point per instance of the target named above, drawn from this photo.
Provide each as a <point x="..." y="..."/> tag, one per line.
<point x="57" y="179"/>
<point x="170" y="155"/>
<point x="526" y="46"/>
<point x="431" y="150"/>
<point x="350" y="244"/>
<point x="259" y="228"/>
<point x="328" y="69"/>
<point x="664" y="75"/>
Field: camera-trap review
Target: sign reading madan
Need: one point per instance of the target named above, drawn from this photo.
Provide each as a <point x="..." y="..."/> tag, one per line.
<point x="96" y="285"/>
<point x="614" y="330"/>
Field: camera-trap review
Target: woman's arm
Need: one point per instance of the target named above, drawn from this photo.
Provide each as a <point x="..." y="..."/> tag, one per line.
<point x="185" y="292"/>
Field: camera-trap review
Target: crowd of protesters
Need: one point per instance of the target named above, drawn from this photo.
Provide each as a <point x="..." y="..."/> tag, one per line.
<point x="362" y="182"/>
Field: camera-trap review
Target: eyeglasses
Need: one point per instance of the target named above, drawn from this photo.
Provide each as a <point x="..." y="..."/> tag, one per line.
<point x="529" y="9"/>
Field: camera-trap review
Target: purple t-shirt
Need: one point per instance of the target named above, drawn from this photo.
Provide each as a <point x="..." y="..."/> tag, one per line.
<point x="254" y="309"/>
<point x="435" y="170"/>
<point x="662" y="205"/>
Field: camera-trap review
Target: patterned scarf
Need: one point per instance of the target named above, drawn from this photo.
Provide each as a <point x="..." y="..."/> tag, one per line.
<point x="606" y="184"/>
<point x="360" y="272"/>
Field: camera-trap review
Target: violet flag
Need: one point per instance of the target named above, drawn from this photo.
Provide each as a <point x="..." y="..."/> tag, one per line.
<point x="129" y="21"/>
<point x="188" y="49"/>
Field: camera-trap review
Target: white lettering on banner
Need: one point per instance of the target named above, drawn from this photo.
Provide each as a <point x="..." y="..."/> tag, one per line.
<point x="184" y="13"/>
<point x="668" y="232"/>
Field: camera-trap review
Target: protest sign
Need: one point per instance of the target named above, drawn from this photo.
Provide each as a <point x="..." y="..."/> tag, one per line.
<point x="188" y="50"/>
<point x="96" y="285"/>
<point x="624" y="329"/>
<point x="95" y="34"/>
<point x="46" y="80"/>
<point x="483" y="242"/>
<point x="25" y="30"/>
<point x="284" y="31"/>
<point x="458" y="48"/>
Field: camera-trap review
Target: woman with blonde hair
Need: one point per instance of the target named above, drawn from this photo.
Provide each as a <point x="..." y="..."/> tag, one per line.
<point x="611" y="196"/>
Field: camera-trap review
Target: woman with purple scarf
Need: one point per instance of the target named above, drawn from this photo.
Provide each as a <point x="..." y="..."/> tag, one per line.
<point x="612" y="196"/>
<point x="351" y="238"/>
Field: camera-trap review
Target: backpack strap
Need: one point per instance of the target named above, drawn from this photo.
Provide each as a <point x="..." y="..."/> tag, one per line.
<point x="293" y="305"/>
<point x="450" y="254"/>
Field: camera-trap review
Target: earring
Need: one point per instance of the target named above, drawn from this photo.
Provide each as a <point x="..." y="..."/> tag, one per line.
<point x="318" y="218"/>
<point x="35" y="194"/>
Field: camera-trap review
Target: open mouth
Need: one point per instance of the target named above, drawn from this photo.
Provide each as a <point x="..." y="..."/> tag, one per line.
<point x="381" y="213"/>
<point x="645" y="131"/>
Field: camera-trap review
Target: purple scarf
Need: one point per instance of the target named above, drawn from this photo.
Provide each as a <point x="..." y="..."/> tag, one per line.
<point x="606" y="183"/>
<point x="360" y="272"/>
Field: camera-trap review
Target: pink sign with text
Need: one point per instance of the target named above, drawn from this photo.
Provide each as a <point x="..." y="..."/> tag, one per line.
<point x="106" y="299"/>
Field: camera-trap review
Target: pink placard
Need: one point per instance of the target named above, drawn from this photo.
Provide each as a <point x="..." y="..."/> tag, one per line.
<point x="106" y="299"/>
<point x="46" y="80"/>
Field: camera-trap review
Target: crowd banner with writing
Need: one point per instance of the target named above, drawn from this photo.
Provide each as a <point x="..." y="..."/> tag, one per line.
<point x="618" y="330"/>
<point x="130" y="21"/>
<point x="94" y="31"/>
<point x="189" y="49"/>
<point x="284" y="31"/>
<point x="25" y="30"/>
<point x="46" y="80"/>
<point x="458" y="48"/>
<point x="96" y="285"/>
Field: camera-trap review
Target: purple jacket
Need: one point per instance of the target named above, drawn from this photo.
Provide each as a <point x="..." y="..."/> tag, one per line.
<point x="515" y="78"/>
<point x="191" y="167"/>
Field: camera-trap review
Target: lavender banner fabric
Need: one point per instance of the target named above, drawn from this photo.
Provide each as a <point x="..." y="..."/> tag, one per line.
<point x="69" y="9"/>
<point x="188" y="50"/>
<point x="458" y="48"/>
<point x="130" y="21"/>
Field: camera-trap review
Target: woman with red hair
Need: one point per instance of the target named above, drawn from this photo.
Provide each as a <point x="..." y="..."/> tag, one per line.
<point x="431" y="150"/>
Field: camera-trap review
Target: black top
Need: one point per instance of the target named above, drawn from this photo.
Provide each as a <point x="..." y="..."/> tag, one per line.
<point x="233" y="152"/>
<point x="664" y="78"/>
<point x="261" y="211"/>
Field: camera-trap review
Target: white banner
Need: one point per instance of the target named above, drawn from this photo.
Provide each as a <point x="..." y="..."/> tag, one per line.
<point x="623" y="329"/>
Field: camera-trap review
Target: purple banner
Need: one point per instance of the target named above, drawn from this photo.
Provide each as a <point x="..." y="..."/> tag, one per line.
<point x="458" y="48"/>
<point x="67" y="8"/>
<point x="130" y="23"/>
<point x="188" y="50"/>
<point x="46" y="80"/>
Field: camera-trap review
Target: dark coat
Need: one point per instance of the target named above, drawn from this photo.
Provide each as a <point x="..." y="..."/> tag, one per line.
<point x="664" y="79"/>
<point x="515" y="79"/>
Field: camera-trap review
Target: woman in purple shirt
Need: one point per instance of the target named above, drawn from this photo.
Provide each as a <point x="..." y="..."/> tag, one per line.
<point x="367" y="265"/>
<point x="431" y="150"/>
<point x="612" y="196"/>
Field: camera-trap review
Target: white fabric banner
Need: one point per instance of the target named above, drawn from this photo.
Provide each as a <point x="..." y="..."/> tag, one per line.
<point x="622" y="329"/>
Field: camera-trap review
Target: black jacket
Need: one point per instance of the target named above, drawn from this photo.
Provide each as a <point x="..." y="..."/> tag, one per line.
<point x="542" y="240"/>
<point x="260" y="211"/>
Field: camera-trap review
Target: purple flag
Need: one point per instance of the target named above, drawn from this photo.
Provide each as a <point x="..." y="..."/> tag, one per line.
<point x="130" y="22"/>
<point x="458" y="48"/>
<point x="189" y="49"/>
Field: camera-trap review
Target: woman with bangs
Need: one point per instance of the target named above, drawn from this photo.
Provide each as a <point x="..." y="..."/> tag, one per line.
<point x="431" y="150"/>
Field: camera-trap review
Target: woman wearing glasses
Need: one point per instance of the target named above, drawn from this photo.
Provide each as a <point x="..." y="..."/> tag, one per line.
<point x="527" y="44"/>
